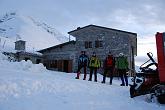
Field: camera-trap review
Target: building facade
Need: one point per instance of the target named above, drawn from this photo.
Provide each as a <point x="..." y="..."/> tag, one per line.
<point x="21" y="54"/>
<point x="60" y="57"/>
<point x="91" y="38"/>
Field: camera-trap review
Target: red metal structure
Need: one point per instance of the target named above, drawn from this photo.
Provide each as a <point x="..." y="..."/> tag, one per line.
<point x="152" y="81"/>
<point x="160" y="42"/>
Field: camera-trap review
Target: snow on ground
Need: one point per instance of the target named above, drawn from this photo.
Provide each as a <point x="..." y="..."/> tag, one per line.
<point x="25" y="86"/>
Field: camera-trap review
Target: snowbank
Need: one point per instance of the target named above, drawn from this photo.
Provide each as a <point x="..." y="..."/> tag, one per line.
<point x="25" y="86"/>
<point x="34" y="68"/>
<point x="23" y="65"/>
<point x="2" y="57"/>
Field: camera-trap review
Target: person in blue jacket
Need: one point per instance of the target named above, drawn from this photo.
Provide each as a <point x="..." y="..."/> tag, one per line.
<point x="82" y="63"/>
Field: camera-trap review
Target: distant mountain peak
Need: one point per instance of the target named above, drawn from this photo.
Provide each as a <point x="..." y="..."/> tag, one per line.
<point x="46" y="27"/>
<point x="38" y="35"/>
<point x="7" y="17"/>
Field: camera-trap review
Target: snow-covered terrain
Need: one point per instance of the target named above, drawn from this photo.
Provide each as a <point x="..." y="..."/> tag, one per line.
<point x="7" y="44"/>
<point x="27" y="86"/>
<point x="38" y="35"/>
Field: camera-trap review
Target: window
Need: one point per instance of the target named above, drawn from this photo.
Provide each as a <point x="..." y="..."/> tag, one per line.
<point x="53" y="63"/>
<point x="98" y="44"/>
<point x="88" y="44"/>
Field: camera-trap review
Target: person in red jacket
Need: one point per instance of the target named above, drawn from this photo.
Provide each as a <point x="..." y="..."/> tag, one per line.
<point x="109" y="65"/>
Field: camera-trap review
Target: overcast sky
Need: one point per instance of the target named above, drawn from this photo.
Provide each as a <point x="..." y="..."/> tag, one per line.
<point x="144" y="17"/>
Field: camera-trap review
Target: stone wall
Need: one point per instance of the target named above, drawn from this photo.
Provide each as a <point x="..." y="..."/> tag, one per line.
<point x="62" y="52"/>
<point x="113" y="41"/>
<point x="19" y="56"/>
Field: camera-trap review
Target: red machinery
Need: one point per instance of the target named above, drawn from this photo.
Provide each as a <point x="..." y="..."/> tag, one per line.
<point x="160" y="42"/>
<point x="149" y="80"/>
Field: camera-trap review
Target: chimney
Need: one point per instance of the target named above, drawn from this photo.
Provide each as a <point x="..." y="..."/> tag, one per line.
<point x="78" y="28"/>
<point x="20" y="45"/>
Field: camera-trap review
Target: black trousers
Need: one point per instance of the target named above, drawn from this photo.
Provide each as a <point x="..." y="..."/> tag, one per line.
<point x="93" y="70"/>
<point x="110" y="72"/>
<point x="78" y="72"/>
<point x="123" y="76"/>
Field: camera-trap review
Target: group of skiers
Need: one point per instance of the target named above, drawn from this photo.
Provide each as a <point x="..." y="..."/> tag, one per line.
<point x="110" y="65"/>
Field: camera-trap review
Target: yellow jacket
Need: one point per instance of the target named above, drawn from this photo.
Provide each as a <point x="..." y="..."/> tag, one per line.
<point x="94" y="62"/>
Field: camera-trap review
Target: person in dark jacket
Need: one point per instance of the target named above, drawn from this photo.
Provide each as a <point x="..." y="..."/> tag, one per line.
<point x="122" y="67"/>
<point x="109" y="65"/>
<point x="82" y="63"/>
<point x="94" y="64"/>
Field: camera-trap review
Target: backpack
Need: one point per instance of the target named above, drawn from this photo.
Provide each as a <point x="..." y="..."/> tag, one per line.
<point x="109" y="61"/>
<point x="93" y="61"/>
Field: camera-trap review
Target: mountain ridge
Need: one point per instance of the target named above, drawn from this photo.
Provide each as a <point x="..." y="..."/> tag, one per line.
<point x="38" y="35"/>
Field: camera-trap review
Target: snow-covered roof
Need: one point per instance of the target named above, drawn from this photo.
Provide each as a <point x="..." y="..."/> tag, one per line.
<point x="56" y="46"/>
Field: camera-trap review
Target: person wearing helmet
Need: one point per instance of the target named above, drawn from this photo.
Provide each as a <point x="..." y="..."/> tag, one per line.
<point x="122" y="66"/>
<point x="94" y="64"/>
<point x="82" y="63"/>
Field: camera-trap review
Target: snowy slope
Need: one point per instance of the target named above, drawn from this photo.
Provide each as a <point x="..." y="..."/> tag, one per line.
<point x="25" y="86"/>
<point x="7" y="44"/>
<point x="38" y="35"/>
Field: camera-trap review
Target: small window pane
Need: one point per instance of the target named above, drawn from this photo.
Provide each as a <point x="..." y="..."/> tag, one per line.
<point x="88" y="44"/>
<point x="98" y="44"/>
